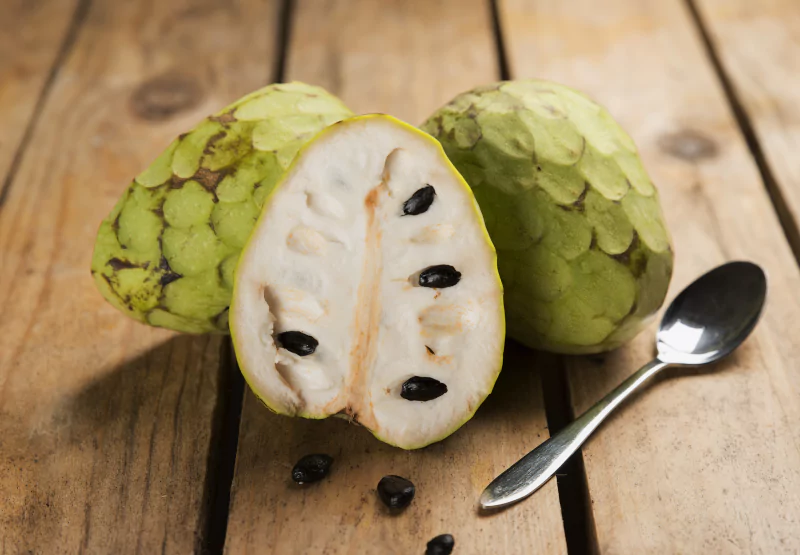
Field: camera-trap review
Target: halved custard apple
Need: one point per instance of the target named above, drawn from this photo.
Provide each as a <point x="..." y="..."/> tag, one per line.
<point x="369" y="287"/>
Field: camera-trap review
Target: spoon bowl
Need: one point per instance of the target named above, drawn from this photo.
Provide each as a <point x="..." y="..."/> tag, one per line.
<point x="711" y="317"/>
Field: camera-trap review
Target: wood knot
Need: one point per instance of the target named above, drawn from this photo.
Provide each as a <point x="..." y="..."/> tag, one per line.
<point x="164" y="96"/>
<point x="689" y="145"/>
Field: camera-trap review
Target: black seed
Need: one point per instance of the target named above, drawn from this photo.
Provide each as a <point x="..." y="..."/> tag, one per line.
<point x="396" y="492"/>
<point x="298" y="342"/>
<point x="430" y="351"/>
<point x="420" y="201"/>
<point x="311" y="468"/>
<point x="441" y="545"/>
<point x="421" y="388"/>
<point x="440" y="276"/>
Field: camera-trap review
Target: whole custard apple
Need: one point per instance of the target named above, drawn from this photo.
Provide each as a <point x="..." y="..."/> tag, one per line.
<point x="583" y="250"/>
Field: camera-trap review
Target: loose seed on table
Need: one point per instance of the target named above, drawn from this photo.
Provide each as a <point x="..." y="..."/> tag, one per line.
<point x="311" y="468"/>
<point x="441" y="545"/>
<point x="396" y="492"/>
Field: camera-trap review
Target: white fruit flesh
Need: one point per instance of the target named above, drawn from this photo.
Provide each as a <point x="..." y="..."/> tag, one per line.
<point x="334" y="256"/>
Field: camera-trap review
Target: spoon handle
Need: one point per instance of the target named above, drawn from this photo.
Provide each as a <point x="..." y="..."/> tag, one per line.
<point x="534" y="469"/>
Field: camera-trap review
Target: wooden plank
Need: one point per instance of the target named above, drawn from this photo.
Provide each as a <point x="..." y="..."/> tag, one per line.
<point x="757" y="45"/>
<point x="400" y="58"/>
<point x="106" y="425"/>
<point x="32" y="35"/>
<point x="702" y="461"/>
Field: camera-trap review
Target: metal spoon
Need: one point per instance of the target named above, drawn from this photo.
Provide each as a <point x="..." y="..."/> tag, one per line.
<point x="707" y="321"/>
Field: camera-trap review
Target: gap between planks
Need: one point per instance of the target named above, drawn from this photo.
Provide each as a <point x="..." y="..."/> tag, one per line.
<point x="779" y="203"/>
<point x="228" y="412"/>
<point x="78" y="17"/>
<point x="222" y="455"/>
<point x="573" y="489"/>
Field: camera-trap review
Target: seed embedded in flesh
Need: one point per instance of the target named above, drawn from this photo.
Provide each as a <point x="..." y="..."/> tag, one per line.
<point x="298" y="343"/>
<point x="420" y="388"/>
<point x="311" y="468"/>
<point x="420" y="201"/>
<point x="441" y="545"/>
<point x="439" y="277"/>
<point x="396" y="492"/>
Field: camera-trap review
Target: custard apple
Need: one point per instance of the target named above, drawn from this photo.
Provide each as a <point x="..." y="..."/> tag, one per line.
<point x="166" y="253"/>
<point x="583" y="250"/>
<point x="369" y="287"/>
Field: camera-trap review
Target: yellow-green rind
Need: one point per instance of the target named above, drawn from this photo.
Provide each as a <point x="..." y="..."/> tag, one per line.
<point x="583" y="249"/>
<point x="477" y="211"/>
<point x="165" y="255"/>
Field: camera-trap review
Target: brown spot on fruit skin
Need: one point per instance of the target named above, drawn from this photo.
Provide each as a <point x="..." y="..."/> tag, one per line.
<point x="164" y="96"/>
<point x="227" y="117"/>
<point x="578" y="205"/>
<point x="209" y="148"/>
<point x="113" y="286"/>
<point x="579" y="202"/>
<point x="168" y="276"/>
<point x="208" y="179"/>
<point x="221" y="317"/>
<point x="625" y="257"/>
<point x="176" y="182"/>
<point x="166" y="279"/>
<point x="119" y="264"/>
<point x="688" y="145"/>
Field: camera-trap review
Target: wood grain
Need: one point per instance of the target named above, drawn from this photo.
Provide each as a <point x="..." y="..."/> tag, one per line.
<point x="270" y="514"/>
<point x="32" y="36"/>
<point x="758" y="45"/>
<point x="703" y="462"/>
<point x="105" y="424"/>
<point x="405" y="58"/>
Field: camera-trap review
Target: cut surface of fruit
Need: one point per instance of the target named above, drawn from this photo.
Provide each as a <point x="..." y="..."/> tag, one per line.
<point x="369" y="287"/>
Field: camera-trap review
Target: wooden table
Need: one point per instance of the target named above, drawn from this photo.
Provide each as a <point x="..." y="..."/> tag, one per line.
<point x="116" y="438"/>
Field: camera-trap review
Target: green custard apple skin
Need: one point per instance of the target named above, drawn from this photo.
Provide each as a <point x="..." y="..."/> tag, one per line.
<point x="583" y="249"/>
<point x="167" y="252"/>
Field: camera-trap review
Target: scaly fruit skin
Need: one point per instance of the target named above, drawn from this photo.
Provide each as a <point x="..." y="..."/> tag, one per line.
<point x="166" y="253"/>
<point x="583" y="250"/>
